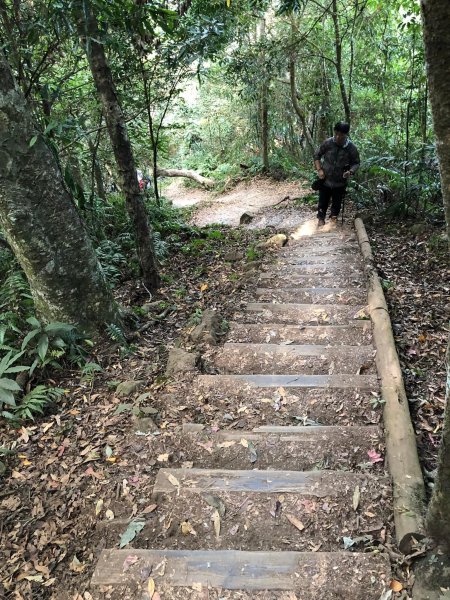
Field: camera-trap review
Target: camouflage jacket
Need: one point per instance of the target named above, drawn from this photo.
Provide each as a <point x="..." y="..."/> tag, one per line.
<point x="336" y="160"/>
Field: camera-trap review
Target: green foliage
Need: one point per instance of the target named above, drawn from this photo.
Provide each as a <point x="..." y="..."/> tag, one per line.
<point x="43" y="347"/>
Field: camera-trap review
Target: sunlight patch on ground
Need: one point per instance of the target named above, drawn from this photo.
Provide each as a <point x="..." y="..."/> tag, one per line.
<point x="310" y="228"/>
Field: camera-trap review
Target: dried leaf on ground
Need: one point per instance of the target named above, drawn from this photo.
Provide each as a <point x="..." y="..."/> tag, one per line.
<point x="295" y="522"/>
<point x="356" y="497"/>
<point x="216" y="520"/>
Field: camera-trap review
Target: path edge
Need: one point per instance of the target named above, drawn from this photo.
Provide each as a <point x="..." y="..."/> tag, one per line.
<point x="401" y="449"/>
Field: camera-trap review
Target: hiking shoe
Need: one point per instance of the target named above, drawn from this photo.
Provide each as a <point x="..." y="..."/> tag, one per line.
<point x="334" y="219"/>
<point x="321" y="223"/>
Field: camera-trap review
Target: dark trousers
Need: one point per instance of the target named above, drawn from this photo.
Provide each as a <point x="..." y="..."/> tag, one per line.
<point x="325" y="194"/>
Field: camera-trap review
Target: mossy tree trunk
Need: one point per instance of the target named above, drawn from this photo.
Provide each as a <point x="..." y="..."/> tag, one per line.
<point x="121" y="145"/>
<point x="41" y="222"/>
<point x="436" y="21"/>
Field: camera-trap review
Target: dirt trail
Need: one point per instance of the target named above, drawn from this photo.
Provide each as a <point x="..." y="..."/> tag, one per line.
<point x="254" y="196"/>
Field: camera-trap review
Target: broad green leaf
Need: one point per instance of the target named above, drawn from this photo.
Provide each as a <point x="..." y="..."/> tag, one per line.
<point x="17" y="369"/>
<point x="34" y="322"/>
<point x="33" y="141"/>
<point x="131" y="532"/>
<point x="7" y="397"/>
<point x="9" y="384"/>
<point x="42" y="347"/>
<point x="29" y="337"/>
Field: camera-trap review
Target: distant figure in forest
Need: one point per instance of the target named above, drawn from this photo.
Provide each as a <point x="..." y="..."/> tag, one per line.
<point x="335" y="161"/>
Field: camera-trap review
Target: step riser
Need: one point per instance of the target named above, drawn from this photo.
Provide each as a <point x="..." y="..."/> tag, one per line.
<point x="358" y="333"/>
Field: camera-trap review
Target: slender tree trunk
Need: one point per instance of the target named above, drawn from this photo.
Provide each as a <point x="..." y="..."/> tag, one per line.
<point x="436" y="21"/>
<point x="123" y="152"/>
<point x="338" y="50"/>
<point x="41" y="223"/>
<point x="264" y="109"/>
<point x="300" y="113"/>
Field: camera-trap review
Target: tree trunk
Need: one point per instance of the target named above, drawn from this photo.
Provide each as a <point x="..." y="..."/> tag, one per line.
<point x="436" y="21"/>
<point x="123" y="152"/>
<point x="264" y="110"/>
<point x="297" y="107"/>
<point x="186" y="173"/>
<point x="338" y="50"/>
<point x="41" y="223"/>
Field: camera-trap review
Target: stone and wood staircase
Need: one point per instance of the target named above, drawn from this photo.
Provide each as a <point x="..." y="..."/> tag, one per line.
<point x="298" y="507"/>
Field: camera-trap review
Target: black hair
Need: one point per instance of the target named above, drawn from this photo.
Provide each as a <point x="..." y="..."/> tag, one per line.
<point x="342" y="127"/>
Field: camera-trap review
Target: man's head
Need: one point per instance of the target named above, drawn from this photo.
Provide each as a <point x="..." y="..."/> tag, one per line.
<point x="341" y="130"/>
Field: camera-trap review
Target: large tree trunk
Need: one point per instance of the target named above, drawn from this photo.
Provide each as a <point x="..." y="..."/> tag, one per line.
<point x="436" y="20"/>
<point x="41" y="223"/>
<point x="123" y="152"/>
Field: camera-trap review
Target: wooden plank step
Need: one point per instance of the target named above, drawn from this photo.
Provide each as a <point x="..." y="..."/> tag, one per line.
<point x="309" y="575"/>
<point x="342" y="269"/>
<point x="317" y="484"/>
<point x="294" y="359"/>
<point x="239" y="401"/>
<point x="308" y="314"/>
<point x="318" y="295"/>
<point x="292" y="448"/>
<point x="357" y="333"/>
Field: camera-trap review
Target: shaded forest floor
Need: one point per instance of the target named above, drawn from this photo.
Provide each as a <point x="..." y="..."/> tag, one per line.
<point x="81" y="465"/>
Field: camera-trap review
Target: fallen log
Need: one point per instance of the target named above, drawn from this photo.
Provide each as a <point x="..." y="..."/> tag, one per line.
<point x="401" y="449"/>
<point x="205" y="181"/>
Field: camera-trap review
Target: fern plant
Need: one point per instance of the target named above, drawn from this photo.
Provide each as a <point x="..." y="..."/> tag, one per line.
<point x="35" y="402"/>
<point x="9" y="387"/>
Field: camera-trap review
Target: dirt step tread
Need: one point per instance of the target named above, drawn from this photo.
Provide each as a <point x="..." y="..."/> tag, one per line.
<point x="292" y="358"/>
<point x="312" y="295"/>
<point x="357" y="333"/>
<point x="239" y="403"/>
<point x="322" y="314"/>
<point x="312" y="574"/>
<point x="295" y="279"/>
<point x="318" y="484"/>
<point x="270" y="447"/>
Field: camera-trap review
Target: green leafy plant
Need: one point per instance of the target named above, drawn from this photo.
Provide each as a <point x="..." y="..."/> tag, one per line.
<point x="36" y="401"/>
<point x="48" y="344"/>
<point x="9" y="387"/>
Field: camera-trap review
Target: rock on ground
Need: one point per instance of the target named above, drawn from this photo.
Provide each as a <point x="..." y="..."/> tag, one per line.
<point x="180" y="361"/>
<point x="126" y="388"/>
<point x="208" y="329"/>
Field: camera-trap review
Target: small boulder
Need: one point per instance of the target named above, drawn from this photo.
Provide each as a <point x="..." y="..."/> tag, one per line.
<point x="126" y="388"/>
<point x="151" y="307"/>
<point x="246" y="218"/>
<point x="180" y="361"/>
<point x="276" y="241"/>
<point x="144" y="425"/>
<point x="208" y="329"/>
<point x="233" y="256"/>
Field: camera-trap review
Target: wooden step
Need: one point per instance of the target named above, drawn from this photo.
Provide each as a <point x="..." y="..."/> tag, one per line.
<point x="294" y="359"/>
<point x="343" y="270"/>
<point x="310" y="260"/>
<point x="326" y="400"/>
<point x="322" y="295"/>
<point x="255" y="509"/>
<point x="271" y="447"/>
<point x="357" y="333"/>
<point x="317" y="484"/>
<point x="308" y="575"/>
<point x="297" y="314"/>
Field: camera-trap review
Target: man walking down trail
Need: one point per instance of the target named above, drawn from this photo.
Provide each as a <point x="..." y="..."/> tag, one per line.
<point x="336" y="160"/>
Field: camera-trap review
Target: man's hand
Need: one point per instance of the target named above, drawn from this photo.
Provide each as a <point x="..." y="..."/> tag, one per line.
<point x="321" y="174"/>
<point x="347" y="174"/>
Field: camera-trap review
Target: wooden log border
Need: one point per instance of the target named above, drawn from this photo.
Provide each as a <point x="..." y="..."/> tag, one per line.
<point x="401" y="449"/>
